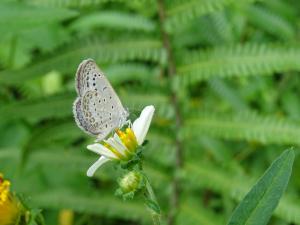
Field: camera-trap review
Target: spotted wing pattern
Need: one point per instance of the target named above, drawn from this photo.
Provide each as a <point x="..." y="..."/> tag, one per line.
<point x="97" y="110"/>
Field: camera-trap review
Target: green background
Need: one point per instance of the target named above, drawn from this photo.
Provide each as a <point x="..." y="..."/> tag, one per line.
<point x="223" y="76"/>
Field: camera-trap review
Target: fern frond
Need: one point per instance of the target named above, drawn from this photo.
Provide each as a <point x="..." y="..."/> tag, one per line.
<point x="66" y="61"/>
<point x="271" y="23"/>
<point x="60" y="106"/>
<point x="244" y="126"/>
<point x="191" y="213"/>
<point x="240" y="61"/>
<point x="55" y="133"/>
<point x="213" y="30"/>
<point x="228" y="93"/>
<point x="181" y="12"/>
<point x="105" y="205"/>
<point x="136" y="102"/>
<point x="119" y="73"/>
<point x="35" y="110"/>
<point x="18" y="16"/>
<point x="206" y="175"/>
<point x="282" y="8"/>
<point x="74" y="3"/>
<point x="114" y="20"/>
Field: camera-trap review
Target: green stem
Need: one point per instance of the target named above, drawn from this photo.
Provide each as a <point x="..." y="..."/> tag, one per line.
<point x="152" y="204"/>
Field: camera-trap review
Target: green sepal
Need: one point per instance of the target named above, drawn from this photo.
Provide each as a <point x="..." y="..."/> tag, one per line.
<point x="135" y="161"/>
<point x="125" y="196"/>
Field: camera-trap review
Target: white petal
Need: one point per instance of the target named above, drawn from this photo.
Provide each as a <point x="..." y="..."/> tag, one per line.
<point x="96" y="165"/>
<point x="141" y="125"/>
<point x="101" y="150"/>
<point x="116" y="145"/>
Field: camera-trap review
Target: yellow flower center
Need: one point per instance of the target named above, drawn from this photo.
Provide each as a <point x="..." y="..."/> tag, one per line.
<point x="128" y="138"/>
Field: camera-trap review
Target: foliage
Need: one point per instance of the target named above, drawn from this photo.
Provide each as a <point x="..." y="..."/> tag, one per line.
<point x="222" y="75"/>
<point x="260" y="202"/>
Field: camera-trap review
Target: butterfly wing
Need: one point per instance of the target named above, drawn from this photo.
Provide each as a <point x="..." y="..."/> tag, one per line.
<point x="98" y="110"/>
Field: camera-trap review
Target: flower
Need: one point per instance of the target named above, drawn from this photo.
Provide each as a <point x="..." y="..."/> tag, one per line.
<point x="122" y="145"/>
<point x="9" y="206"/>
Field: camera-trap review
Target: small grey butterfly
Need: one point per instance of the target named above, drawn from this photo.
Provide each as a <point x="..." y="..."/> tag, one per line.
<point x="97" y="109"/>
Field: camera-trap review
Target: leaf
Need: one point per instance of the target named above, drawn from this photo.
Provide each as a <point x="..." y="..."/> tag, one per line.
<point x="238" y="61"/>
<point x="66" y="61"/>
<point x="182" y="12"/>
<point x="16" y="16"/>
<point x="243" y="126"/>
<point x="258" y="205"/>
<point x="34" y="110"/>
<point x="106" y="205"/>
<point x="153" y="206"/>
<point x="114" y="20"/>
<point x="235" y="185"/>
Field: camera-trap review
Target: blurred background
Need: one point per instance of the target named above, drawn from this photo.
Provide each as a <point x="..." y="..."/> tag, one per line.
<point x="223" y="76"/>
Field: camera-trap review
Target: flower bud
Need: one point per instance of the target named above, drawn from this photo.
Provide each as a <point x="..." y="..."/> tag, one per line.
<point x="131" y="182"/>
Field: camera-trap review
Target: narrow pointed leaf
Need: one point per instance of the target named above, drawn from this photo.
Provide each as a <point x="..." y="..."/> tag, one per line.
<point x="258" y="205"/>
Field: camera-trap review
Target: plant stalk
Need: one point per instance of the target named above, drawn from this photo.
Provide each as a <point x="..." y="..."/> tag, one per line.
<point x="152" y="203"/>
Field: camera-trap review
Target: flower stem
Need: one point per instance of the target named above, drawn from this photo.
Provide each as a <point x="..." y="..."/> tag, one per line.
<point x="152" y="204"/>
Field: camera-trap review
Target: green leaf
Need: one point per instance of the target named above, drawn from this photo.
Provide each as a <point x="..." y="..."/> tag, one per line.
<point x="180" y="13"/>
<point x="17" y="16"/>
<point x="66" y="61"/>
<point x="114" y="20"/>
<point x="244" y="126"/>
<point x="238" y="61"/>
<point x="153" y="206"/>
<point x="234" y="184"/>
<point x="107" y="205"/>
<point x="258" y="205"/>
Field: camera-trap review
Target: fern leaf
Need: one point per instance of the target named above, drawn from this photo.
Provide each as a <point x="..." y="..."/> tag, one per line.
<point x="60" y="106"/>
<point x="270" y="22"/>
<point x="66" y="61"/>
<point x="241" y="60"/>
<point x="104" y="205"/>
<point x="282" y="8"/>
<point x="228" y="93"/>
<point x="120" y="73"/>
<point x="244" y="126"/>
<point x="55" y="133"/>
<point x="181" y="12"/>
<point x="73" y="3"/>
<point x="18" y="16"/>
<point x="191" y="213"/>
<point x="114" y="20"/>
<point x="35" y="110"/>
<point x="136" y="102"/>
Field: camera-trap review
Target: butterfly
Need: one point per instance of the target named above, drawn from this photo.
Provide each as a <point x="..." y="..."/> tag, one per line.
<point x="97" y="109"/>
